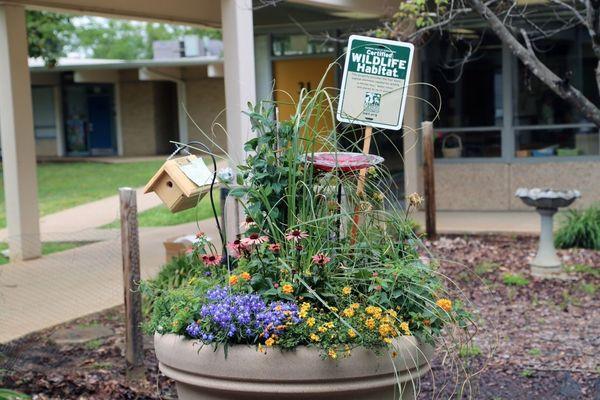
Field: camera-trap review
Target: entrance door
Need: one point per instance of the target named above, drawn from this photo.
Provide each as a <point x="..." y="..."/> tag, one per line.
<point x="100" y="126"/>
<point x="89" y="119"/>
<point x="293" y="75"/>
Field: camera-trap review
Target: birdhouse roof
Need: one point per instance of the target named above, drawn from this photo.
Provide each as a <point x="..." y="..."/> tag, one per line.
<point x="171" y="168"/>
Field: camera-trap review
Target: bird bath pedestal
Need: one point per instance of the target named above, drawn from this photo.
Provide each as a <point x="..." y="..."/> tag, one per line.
<point x="546" y="263"/>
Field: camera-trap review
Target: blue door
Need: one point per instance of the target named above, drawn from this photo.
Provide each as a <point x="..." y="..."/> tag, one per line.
<point x="100" y="129"/>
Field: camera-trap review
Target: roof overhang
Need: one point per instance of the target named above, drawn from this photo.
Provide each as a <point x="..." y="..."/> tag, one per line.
<point x="200" y="12"/>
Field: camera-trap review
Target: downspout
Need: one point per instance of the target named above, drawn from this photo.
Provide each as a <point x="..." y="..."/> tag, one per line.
<point x="181" y="99"/>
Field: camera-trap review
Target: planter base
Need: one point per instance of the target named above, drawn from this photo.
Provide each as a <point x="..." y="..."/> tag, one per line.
<point x="246" y="374"/>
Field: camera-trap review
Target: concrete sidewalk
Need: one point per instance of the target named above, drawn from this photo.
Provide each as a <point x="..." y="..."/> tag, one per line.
<point x="41" y="293"/>
<point x="485" y="221"/>
<point x="88" y="216"/>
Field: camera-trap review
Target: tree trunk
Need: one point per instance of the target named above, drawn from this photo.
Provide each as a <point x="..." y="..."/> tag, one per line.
<point x="558" y="85"/>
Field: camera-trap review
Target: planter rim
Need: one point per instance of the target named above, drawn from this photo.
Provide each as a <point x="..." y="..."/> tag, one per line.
<point x="247" y="370"/>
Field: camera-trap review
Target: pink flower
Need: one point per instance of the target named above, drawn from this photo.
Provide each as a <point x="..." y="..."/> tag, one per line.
<point x="189" y="250"/>
<point x="375" y="274"/>
<point x="296" y="235"/>
<point x="199" y="235"/>
<point x="254" y="239"/>
<point x="236" y="248"/>
<point x="275" y="248"/>
<point x="320" y="259"/>
<point x="211" y="260"/>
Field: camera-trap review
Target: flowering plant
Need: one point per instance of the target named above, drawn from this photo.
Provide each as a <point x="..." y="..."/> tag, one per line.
<point x="326" y="258"/>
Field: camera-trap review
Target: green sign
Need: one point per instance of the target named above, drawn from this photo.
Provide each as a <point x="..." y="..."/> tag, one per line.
<point x="375" y="82"/>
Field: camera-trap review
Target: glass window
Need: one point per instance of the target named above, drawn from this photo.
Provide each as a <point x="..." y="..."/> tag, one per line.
<point x="44" y="116"/>
<point x="546" y="125"/>
<point x="472" y="143"/>
<point x="557" y="142"/>
<point x="296" y="45"/>
<point x="471" y="91"/>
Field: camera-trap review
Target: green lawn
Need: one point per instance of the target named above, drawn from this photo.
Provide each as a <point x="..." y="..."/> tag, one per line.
<point x="65" y="185"/>
<point x="47" y="248"/>
<point x="161" y="216"/>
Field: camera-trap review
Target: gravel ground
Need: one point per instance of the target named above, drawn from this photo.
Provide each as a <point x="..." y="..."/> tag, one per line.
<point x="536" y="339"/>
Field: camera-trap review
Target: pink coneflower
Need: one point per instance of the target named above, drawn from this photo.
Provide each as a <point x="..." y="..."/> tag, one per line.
<point x="211" y="260"/>
<point x="275" y="248"/>
<point x="199" y="235"/>
<point x="296" y="235"/>
<point x="248" y="223"/>
<point x="320" y="259"/>
<point x="375" y="274"/>
<point x="236" y="248"/>
<point x="254" y="239"/>
<point x="299" y="247"/>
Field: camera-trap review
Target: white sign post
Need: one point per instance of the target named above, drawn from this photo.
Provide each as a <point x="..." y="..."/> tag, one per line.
<point x="374" y="90"/>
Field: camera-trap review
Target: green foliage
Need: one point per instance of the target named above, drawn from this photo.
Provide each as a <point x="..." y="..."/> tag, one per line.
<point x="485" y="268"/>
<point x="514" y="280"/>
<point x="470" y="350"/>
<point x="93" y="344"/>
<point x="580" y="229"/>
<point x="128" y="40"/>
<point x="528" y="373"/>
<point x="48" y="35"/>
<point x="355" y="284"/>
<point x="7" y="394"/>
<point x="535" y="352"/>
<point x="584" y="270"/>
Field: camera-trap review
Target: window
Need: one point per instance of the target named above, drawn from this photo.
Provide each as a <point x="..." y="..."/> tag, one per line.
<point x="471" y="115"/>
<point x="44" y="116"/>
<point x="544" y="124"/>
<point x="296" y="45"/>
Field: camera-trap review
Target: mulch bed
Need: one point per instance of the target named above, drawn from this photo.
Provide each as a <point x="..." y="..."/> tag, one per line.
<point x="539" y="340"/>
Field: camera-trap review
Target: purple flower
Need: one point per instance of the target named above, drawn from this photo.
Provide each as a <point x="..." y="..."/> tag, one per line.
<point x="240" y="318"/>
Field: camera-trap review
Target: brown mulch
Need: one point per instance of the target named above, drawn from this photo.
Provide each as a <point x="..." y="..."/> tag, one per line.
<point x="536" y="341"/>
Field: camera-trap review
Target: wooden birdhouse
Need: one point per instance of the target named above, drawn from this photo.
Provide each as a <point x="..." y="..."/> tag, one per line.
<point x="181" y="182"/>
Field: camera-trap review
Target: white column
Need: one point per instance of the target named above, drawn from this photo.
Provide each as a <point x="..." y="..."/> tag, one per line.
<point x="18" y="144"/>
<point x="240" y="88"/>
<point x="412" y="132"/>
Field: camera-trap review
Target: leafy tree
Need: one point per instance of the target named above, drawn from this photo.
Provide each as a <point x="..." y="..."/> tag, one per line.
<point x="520" y="25"/>
<point x="49" y="35"/>
<point x="128" y="40"/>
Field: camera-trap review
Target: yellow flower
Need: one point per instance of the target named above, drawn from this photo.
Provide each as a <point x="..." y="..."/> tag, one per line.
<point x="444" y="304"/>
<point x="304" y="309"/>
<point x="261" y="348"/>
<point x="329" y="325"/>
<point x="374" y="311"/>
<point x="334" y="309"/>
<point x="310" y="322"/>
<point x="385" y="330"/>
<point x="314" y="338"/>
<point x="378" y="196"/>
<point x="287" y="288"/>
<point x="392" y="313"/>
<point x="322" y="329"/>
<point x="351" y="333"/>
<point x="332" y="354"/>
<point x="355" y="306"/>
<point x="270" y="342"/>
<point x="387" y="340"/>
<point x="346" y="290"/>
<point x="233" y="279"/>
<point x="348" y="312"/>
<point x="370" y="323"/>
<point x="404" y="327"/>
<point x="245" y="276"/>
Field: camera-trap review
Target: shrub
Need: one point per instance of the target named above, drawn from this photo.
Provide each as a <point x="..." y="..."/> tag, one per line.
<point x="580" y="229"/>
<point x="515" y="280"/>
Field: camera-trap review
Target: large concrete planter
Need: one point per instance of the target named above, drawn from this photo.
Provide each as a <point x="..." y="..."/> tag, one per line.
<point x="204" y="374"/>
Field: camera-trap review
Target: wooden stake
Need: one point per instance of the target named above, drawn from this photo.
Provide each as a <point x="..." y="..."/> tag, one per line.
<point x="429" y="180"/>
<point x="360" y="188"/>
<point x="134" y="348"/>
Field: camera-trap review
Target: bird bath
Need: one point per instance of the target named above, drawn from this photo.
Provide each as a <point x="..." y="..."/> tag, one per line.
<point x="546" y="202"/>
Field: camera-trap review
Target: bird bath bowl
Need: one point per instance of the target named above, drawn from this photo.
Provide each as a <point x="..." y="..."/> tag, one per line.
<point x="547" y="202"/>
